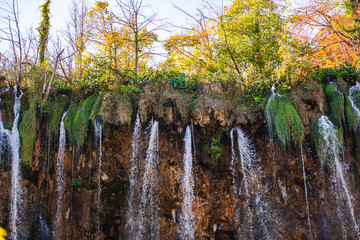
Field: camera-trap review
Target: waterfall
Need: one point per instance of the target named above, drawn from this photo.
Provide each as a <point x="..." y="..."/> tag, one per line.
<point x="251" y="185"/>
<point x="60" y="179"/>
<point x="269" y="118"/>
<point x="134" y="180"/>
<point x="13" y="138"/>
<point x="354" y="93"/>
<point x="330" y="147"/>
<point x="98" y="135"/>
<point x="149" y="226"/>
<point x="306" y="195"/>
<point x="187" y="225"/>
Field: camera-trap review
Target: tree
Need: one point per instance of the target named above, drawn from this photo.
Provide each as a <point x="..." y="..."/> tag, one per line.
<point x="44" y="30"/>
<point x="12" y="34"/>
<point x="193" y="51"/>
<point x="332" y="28"/>
<point x="142" y="28"/>
<point x="250" y="33"/>
<point x="75" y="36"/>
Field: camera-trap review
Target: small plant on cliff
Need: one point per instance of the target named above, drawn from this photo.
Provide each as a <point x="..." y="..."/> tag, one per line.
<point x="77" y="183"/>
<point x="287" y="123"/>
<point x="27" y="130"/>
<point x="215" y="148"/>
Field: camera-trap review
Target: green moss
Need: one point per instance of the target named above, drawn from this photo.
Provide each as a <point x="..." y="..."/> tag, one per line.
<point x="351" y="117"/>
<point x="55" y="109"/>
<point x="27" y="130"/>
<point x="322" y="146"/>
<point x="286" y="121"/>
<point x="69" y="119"/>
<point x="336" y="103"/>
<point x="80" y="125"/>
<point x="96" y="108"/>
<point x="7" y="114"/>
<point x="329" y="90"/>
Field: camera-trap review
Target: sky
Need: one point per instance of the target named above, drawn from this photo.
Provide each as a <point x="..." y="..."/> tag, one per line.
<point x="30" y="11"/>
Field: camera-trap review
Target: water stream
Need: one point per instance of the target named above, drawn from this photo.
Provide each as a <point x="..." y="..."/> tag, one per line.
<point x="98" y="136"/>
<point x="149" y="226"/>
<point x="250" y="188"/>
<point x="132" y="213"/>
<point x="330" y="149"/>
<point x="13" y="139"/>
<point x="60" y="180"/>
<point x="187" y="224"/>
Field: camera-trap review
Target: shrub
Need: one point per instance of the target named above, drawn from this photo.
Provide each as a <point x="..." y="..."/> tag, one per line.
<point x="287" y="123"/>
<point x="27" y="130"/>
<point x="215" y="148"/>
<point x="77" y="183"/>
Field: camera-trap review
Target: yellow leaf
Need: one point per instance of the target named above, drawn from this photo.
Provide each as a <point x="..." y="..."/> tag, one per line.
<point x="2" y="233"/>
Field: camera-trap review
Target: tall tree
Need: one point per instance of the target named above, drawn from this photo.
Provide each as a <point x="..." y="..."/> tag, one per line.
<point x="44" y="30"/>
<point x="142" y="28"/>
<point x="75" y="36"/>
<point x="11" y="33"/>
<point x="250" y="33"/>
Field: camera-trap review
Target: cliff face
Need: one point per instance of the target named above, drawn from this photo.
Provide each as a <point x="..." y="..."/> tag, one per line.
<point x="215" y="204"/>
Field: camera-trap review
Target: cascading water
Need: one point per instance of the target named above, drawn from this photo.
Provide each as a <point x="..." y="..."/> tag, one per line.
<point x="306" y="195"/>
<point x="271" y="134"/>
<point x="13" y="138"/>
<point x="149" y="226"/>
<point x="60" y="179"/>
<point x="98" y="135"/>
<point x="330" y="147"/>
<point x="252" y="188"/>
<point x="132" y="215"/>
<point x="269" y="118"/>
<point x="187" y="225"/>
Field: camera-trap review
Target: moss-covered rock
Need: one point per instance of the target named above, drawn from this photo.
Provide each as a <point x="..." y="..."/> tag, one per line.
<point x="285" y="120"/>
<point x="80" y="125"/>
<point x="328" y="139"/>
<point x="336" y="103"/>
<point x="116" y="110"/>
<point x="54" y="109"/>
<point x="27" y="130"/>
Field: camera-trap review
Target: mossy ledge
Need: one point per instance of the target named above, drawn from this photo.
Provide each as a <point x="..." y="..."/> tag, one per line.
<point x="286" y="121"/>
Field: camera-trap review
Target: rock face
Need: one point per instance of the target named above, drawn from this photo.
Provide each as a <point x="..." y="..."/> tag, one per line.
<point x="213" y="207"/>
